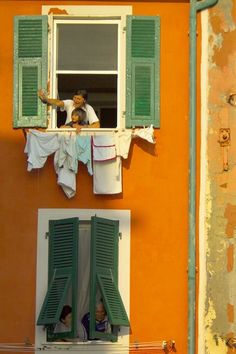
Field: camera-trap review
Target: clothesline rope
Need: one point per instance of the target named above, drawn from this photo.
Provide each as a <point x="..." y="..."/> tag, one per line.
<point x="165" y="346"/>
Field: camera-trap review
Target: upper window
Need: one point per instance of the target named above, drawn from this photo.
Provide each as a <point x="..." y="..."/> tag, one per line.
<point x="103" y="49"/>
<point x="86" y="57"/>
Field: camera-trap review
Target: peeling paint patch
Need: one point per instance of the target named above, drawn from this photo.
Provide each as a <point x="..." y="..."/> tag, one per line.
<point x="215" y="43"/>
<point x="230" y="215"/>
<point x="230" y="258"/>
<point x="225" y="46"/>
<point x="224" y="12"/>
<point x="230" y="313"/>
<point x="211" y="345"/>
<point x="56" y="11"/>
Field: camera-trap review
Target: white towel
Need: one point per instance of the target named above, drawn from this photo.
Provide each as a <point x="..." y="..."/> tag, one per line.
<point x="104" y="148"/>
<point x="107" y="177"/>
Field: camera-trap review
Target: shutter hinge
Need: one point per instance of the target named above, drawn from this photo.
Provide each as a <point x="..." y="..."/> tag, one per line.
<point x="46" y="235"/>
<point x="124" y="29"/>
<point x="120" y="235"/>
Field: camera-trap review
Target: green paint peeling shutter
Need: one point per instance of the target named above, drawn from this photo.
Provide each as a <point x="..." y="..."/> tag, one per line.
<point x="62" y="274"/>
<point x="30" y="70"/>
<point x="143" y="71"/>
<point x="104" y="263"/>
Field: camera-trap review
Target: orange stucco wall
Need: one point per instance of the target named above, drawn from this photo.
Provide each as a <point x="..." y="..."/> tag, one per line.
<point x="155" y="189"/>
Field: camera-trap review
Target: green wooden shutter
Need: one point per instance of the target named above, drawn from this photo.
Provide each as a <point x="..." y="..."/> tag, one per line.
<point x="30" y="70"/>
<point x="143" y="71"/>
<point x="63" y="268"/>
<point x="55" y="299"/>
<point x="112" y="300"/>
<point x="104" y="261"/>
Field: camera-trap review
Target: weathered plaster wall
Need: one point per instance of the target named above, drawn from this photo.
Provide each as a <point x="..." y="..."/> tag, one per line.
<point x="220" y="199"/>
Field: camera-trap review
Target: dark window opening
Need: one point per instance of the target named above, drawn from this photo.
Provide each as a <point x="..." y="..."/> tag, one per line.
<point x="102" y="95"/>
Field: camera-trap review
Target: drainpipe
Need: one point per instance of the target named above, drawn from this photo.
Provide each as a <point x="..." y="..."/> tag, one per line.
<point x="195" y="7"/>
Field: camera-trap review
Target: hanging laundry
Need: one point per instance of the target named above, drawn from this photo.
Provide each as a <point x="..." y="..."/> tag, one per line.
<point x="39" y="146"/>
<point x="66" y="164"/>
<point x="123" y="140"/>
<point x="83" y="151"/>
<point x="104" y="148"/>
<point x="146" y="134"/>
<point x="107" y="177"/>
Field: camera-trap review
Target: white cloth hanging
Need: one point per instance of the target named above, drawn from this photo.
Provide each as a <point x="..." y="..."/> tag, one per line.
<point x="39" y="146"/>
<point x="146" y="134"/>
<point x="107" y="177"/>
<point x="106" y="166"/>
<point x="122" y="141"/>
<point x="66" y="164"/>
<point x="104" y="148"/>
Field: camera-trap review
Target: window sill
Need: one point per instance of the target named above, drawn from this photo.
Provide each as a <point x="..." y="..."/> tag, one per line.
<point x="100" y="346"/>
<point x="84" y="130"/>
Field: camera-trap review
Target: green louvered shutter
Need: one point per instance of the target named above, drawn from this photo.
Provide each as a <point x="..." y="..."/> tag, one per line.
<point x="30" y="70"/>
<point x="55" y="299"/>
<point x="143" y="71"/>
<point x="62" y="273"/>
<point x="104" y="261"/>
<point x="112" y="300"/>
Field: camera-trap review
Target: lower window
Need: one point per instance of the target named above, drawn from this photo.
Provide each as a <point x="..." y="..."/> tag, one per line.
<point x="85" y="295"/>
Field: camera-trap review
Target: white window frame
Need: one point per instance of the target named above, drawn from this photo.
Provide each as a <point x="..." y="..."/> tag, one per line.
<point x="115" y="14"/>
<point x="44" y="215"/>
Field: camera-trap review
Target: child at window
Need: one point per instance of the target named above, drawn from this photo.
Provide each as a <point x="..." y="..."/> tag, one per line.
<point x="77" y="120"/>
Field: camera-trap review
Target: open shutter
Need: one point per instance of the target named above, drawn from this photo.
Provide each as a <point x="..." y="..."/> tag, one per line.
<point x="62" y="274"/>
<point x="30" y="70"/>
<point x="55" y="299"/>
<point x="143" y="71"/>
<point x="104" y="261"/>
<point x="112" y="300"/>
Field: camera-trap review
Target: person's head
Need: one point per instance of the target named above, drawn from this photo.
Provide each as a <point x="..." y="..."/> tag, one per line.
<point x="80" y="97"/>
<point x="77" y="115"/>
<point x="66" y="315"/>
<point x="100" y="311"/>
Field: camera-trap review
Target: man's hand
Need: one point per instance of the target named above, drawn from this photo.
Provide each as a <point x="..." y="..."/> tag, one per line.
<point x="42" y="95"/>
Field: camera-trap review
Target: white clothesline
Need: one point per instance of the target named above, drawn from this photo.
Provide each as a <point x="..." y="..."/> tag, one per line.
<point x="166" y="346"/>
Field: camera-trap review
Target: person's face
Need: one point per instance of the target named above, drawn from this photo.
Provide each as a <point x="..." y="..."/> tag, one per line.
<point x="75" y="118"/>
<point x="100" y="312"/>
<point x="67" y="320"/>
<point x="79" y="101"/>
